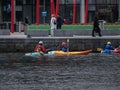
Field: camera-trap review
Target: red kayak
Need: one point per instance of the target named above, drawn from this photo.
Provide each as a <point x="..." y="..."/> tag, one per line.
<point x="116" y="51"/>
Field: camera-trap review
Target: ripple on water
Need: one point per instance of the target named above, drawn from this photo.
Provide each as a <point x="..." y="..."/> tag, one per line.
<point x="90" y="72"/>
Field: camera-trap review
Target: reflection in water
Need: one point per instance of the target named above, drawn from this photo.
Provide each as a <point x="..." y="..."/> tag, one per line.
<point x="90" y="72"/>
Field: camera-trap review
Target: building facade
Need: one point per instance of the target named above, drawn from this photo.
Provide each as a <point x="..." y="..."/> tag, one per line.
<point x="109" y="10"/>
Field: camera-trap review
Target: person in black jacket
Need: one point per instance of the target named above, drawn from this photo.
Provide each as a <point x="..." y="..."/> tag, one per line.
<point x="96" y="27"/>
<point x="59" y="22"/>
<point x="27" y="20"/>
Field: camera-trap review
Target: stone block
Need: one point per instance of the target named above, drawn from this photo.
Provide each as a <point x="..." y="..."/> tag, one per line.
<point x="70" y="33"/>
<point x="37" y="33"/>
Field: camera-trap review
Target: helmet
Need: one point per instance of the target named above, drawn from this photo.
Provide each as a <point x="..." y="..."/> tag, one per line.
<point x="108" y="42"/>
<point x="63" y="43"/>
<point x="40" y="42"/>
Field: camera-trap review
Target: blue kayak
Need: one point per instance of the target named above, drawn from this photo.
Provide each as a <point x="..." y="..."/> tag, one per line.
<point x="107" y="51"/>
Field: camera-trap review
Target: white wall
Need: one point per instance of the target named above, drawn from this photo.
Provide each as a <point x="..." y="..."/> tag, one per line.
<point x="82" y="11"/>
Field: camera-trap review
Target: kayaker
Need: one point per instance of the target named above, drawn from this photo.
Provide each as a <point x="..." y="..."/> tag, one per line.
<point x="40" y="47"/>
<point x="118" y="48"/>
<point x="64" y="46"/>
<point x="108" y="46"/>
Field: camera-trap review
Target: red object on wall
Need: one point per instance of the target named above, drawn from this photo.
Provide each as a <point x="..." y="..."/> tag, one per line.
<point x="74" y="12"/>
<point x="37" y="12"/>
<point x="86" y="12"/>
<point x="12" y="16"/>
<point x="52" y="7"/>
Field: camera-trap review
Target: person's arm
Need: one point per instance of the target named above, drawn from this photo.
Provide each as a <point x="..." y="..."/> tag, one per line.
<point x="55" y="21"/>
<point x="43" y="49"/>
<point x="35" y="49"/>
<point x="40" y="51"/>
<point x="112" y="48"/>
<point x="118" y="47"/>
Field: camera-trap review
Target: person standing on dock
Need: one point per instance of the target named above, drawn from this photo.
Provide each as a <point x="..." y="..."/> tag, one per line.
<point x="27" y="22"/>
<point x="59" y="22"/>
<point x="96" y="27"/>
<point x="53" y="24"/>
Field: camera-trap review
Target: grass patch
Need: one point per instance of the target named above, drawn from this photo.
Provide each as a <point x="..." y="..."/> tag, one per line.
<point x="73" y="27"/>
<point x="38" y="27"/>
<point x="112" y="27"/>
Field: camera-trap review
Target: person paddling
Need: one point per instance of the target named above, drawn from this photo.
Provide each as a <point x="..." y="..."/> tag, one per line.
<point x="118" y="48"/>
<point x="40" y="48"/>
<point x="108" y="48"/>
<point x="64" y="46"/>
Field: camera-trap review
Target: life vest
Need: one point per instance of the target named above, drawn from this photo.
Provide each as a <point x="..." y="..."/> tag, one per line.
<point x="40" y="47"/>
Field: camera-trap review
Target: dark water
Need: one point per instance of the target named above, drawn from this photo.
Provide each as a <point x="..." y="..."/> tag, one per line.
<point x="91" y="72"/>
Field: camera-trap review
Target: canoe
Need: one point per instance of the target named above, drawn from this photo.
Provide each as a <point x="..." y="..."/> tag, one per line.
<point x="116" y="51"/>
<point x="59" y="53"/>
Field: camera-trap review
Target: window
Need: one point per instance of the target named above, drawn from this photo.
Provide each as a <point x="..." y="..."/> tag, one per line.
<point x="29" y="1"/>
<point x="19" y="2"/>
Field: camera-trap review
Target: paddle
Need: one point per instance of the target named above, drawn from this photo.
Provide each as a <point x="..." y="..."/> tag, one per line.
<point x="52" y="48"/>
<point x="41" y="53"/>
<point x="99" y="49"/>
<point x="67" y="45"/>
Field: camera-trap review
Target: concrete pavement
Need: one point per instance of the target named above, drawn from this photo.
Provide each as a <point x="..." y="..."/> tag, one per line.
<point x="22" y="35"/>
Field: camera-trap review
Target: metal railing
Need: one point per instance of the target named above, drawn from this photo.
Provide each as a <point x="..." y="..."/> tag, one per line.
<point x="19" y="26"/>
<point x="5" y="25"/>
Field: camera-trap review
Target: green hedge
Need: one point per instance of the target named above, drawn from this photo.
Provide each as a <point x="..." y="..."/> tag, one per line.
<point x="72" y="27"/>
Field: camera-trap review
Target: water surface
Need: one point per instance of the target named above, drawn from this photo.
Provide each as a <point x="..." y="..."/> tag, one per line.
<point x="90" y="72"/>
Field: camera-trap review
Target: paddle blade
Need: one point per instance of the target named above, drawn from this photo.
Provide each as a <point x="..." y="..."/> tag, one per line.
<point x="99" y="49"/>
<point x="67" y="40"/>
<point x="68" y="45"/>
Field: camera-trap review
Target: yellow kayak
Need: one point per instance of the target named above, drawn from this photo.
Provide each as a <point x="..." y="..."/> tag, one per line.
<point x="73" y="53"/>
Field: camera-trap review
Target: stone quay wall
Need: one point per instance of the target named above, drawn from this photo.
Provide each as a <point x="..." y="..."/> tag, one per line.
<point x="75" y="43"/>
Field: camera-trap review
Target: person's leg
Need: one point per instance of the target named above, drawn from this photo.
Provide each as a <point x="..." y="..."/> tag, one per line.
<point x="60" y="26"/>
<point x="57" y="26"/>
<point x="93" y="31"/>
<point x="52" y="32"/>
<point x="99" y="32"/>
